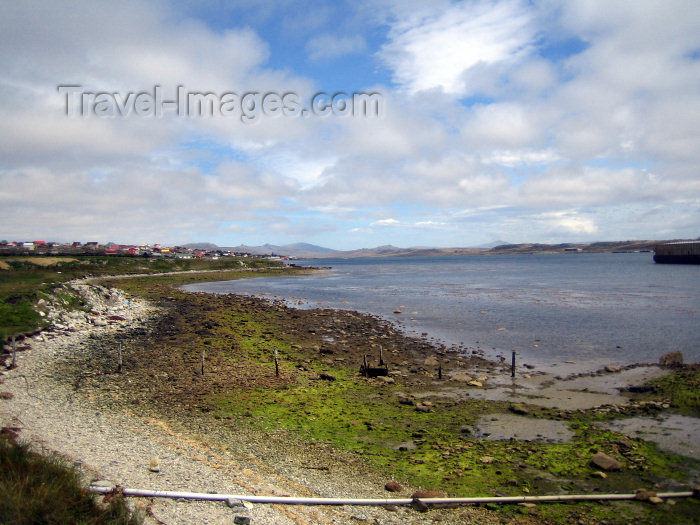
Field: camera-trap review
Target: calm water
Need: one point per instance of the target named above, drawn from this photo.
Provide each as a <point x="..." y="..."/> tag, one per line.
<point x="592" y="309"/>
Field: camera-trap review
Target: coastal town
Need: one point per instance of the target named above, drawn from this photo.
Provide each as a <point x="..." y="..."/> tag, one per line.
<point x="124" y="250"/>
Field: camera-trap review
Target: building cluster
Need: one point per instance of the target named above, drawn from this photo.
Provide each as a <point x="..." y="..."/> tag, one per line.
<point x="124" y="250"/>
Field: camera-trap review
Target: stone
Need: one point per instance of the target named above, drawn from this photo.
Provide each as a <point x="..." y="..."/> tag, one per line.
<point x="462" y="378"/>
<point x="392" y="486"/>
<point x="655" y="500"/>
<point x="519" y="409"/>
<point x="527" y="505"/>
<point x="385" y="379"/>
<point x="475" y="383"/>
<point x="605" y="462"/>
<point x="487" y="460"/>
<point x="671" y="359"/>
<point x="404" y="399"/>
<point x="643" y="494"/>
<point x="599" y="474"/>
<point x="613" y="369"/>
<point x="241" y="520"/>
<point x="154" y="465"/>
<point x="431" y="361"/>
<point x="424" y="407"/>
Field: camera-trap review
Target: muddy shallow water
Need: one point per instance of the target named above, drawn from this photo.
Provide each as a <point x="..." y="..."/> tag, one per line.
<point x="543" y="389"/>
<point x="672" y="432"/>
<point x="507" y="426"/>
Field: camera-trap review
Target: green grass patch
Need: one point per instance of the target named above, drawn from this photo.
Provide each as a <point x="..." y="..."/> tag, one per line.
<point x="435" y="449"/>
<point x="24" y="280"/>
<point x="36" y="489"/>
<point x="682" y="388"/>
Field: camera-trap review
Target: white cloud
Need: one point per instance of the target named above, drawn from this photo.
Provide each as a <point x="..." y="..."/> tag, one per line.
<point x="567" y="222"/>
<point x="433" y="48"/>
<point x="511" y="158"/>
<point x="599" y="143"/>
<point x="386" y="222"/>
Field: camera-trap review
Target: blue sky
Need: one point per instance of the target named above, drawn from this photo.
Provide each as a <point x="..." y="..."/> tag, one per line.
<point x="526" y="121"/>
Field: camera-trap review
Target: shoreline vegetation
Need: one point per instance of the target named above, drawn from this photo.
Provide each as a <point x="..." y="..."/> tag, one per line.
<point x="250" y="371"/>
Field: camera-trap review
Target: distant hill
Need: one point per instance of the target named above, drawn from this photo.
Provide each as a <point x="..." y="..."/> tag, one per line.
<point x="201" y="246"/>
<point x="300" y="249"/>
<point x="489" y="245"/>
<point x="306" y="250"/>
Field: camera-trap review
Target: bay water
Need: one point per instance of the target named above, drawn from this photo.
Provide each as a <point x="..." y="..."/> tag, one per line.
<point x="570" y="311"/>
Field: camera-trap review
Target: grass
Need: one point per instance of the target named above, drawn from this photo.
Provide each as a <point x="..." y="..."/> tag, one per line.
<point x="42" y="489"/>
<point x="24" y="280"/>
<point x="682" y="388"/>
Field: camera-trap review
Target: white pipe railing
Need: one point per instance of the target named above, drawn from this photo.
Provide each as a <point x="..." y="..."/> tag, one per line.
<point x="290" y="500"/>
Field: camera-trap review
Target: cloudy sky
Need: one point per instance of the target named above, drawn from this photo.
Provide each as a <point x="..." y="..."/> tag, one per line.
<point x="526" y="121"/>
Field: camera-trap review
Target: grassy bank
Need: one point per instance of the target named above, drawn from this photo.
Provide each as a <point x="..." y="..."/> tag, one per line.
<point x="25" y="280"/>
<point x="38" y="488"/>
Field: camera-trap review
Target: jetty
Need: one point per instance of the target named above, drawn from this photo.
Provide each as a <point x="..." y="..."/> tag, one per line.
<point x="680" y="252"/>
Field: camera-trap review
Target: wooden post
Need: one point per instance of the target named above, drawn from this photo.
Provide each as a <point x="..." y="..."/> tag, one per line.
<point x="440" y="371"/>
<point x="277" y="366"/>
<point x="119" y="360"/>
<point x="364" y="362"/>
<point x="381" y="357"/>
<point x="204" y="353"/>
<point x="512" y="366"/>
<point x="14" y="353"/>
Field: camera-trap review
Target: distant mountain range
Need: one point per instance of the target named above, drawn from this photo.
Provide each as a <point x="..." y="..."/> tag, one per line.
<point x="306" y="250"/>
<point x="300" y="249"/>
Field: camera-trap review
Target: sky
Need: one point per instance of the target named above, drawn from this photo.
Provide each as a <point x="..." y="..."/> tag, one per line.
<point x="519" y="121"/>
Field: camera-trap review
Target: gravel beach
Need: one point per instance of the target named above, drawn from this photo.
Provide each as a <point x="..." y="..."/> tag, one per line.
<point x="133" y="447"/>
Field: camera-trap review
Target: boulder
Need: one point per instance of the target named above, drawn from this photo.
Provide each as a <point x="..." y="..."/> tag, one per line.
<point x="426" y="406"/>
<point x="431" y="361"/>
<point x="392" y="486"/>
<point x="671" y="359"/>
<point x="605" y="462"/>
<point x="644" y="495"/>
<point x="404" y="399"/>
<point x="462" y="378"/>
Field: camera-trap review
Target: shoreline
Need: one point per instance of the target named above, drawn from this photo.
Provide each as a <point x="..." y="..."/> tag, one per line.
<point x="158" y="382"/>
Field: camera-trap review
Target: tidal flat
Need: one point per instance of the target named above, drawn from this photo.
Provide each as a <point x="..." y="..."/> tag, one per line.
<point x="209" y="362"/>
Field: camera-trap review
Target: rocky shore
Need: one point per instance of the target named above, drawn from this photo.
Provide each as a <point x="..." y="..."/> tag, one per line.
<point x="65" y="395"/>
<point x="132" y="390"/>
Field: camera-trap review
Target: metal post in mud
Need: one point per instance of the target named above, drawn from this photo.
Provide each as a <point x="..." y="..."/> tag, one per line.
<point x="364" y="363"/>
<point x="277" y="366"/>
<point x="381" y="356"/>
<point x="440" y="371"/>
<point x="204" y="353"/>
<point x="119" y="359"/>
<point x="512" y="366"/>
